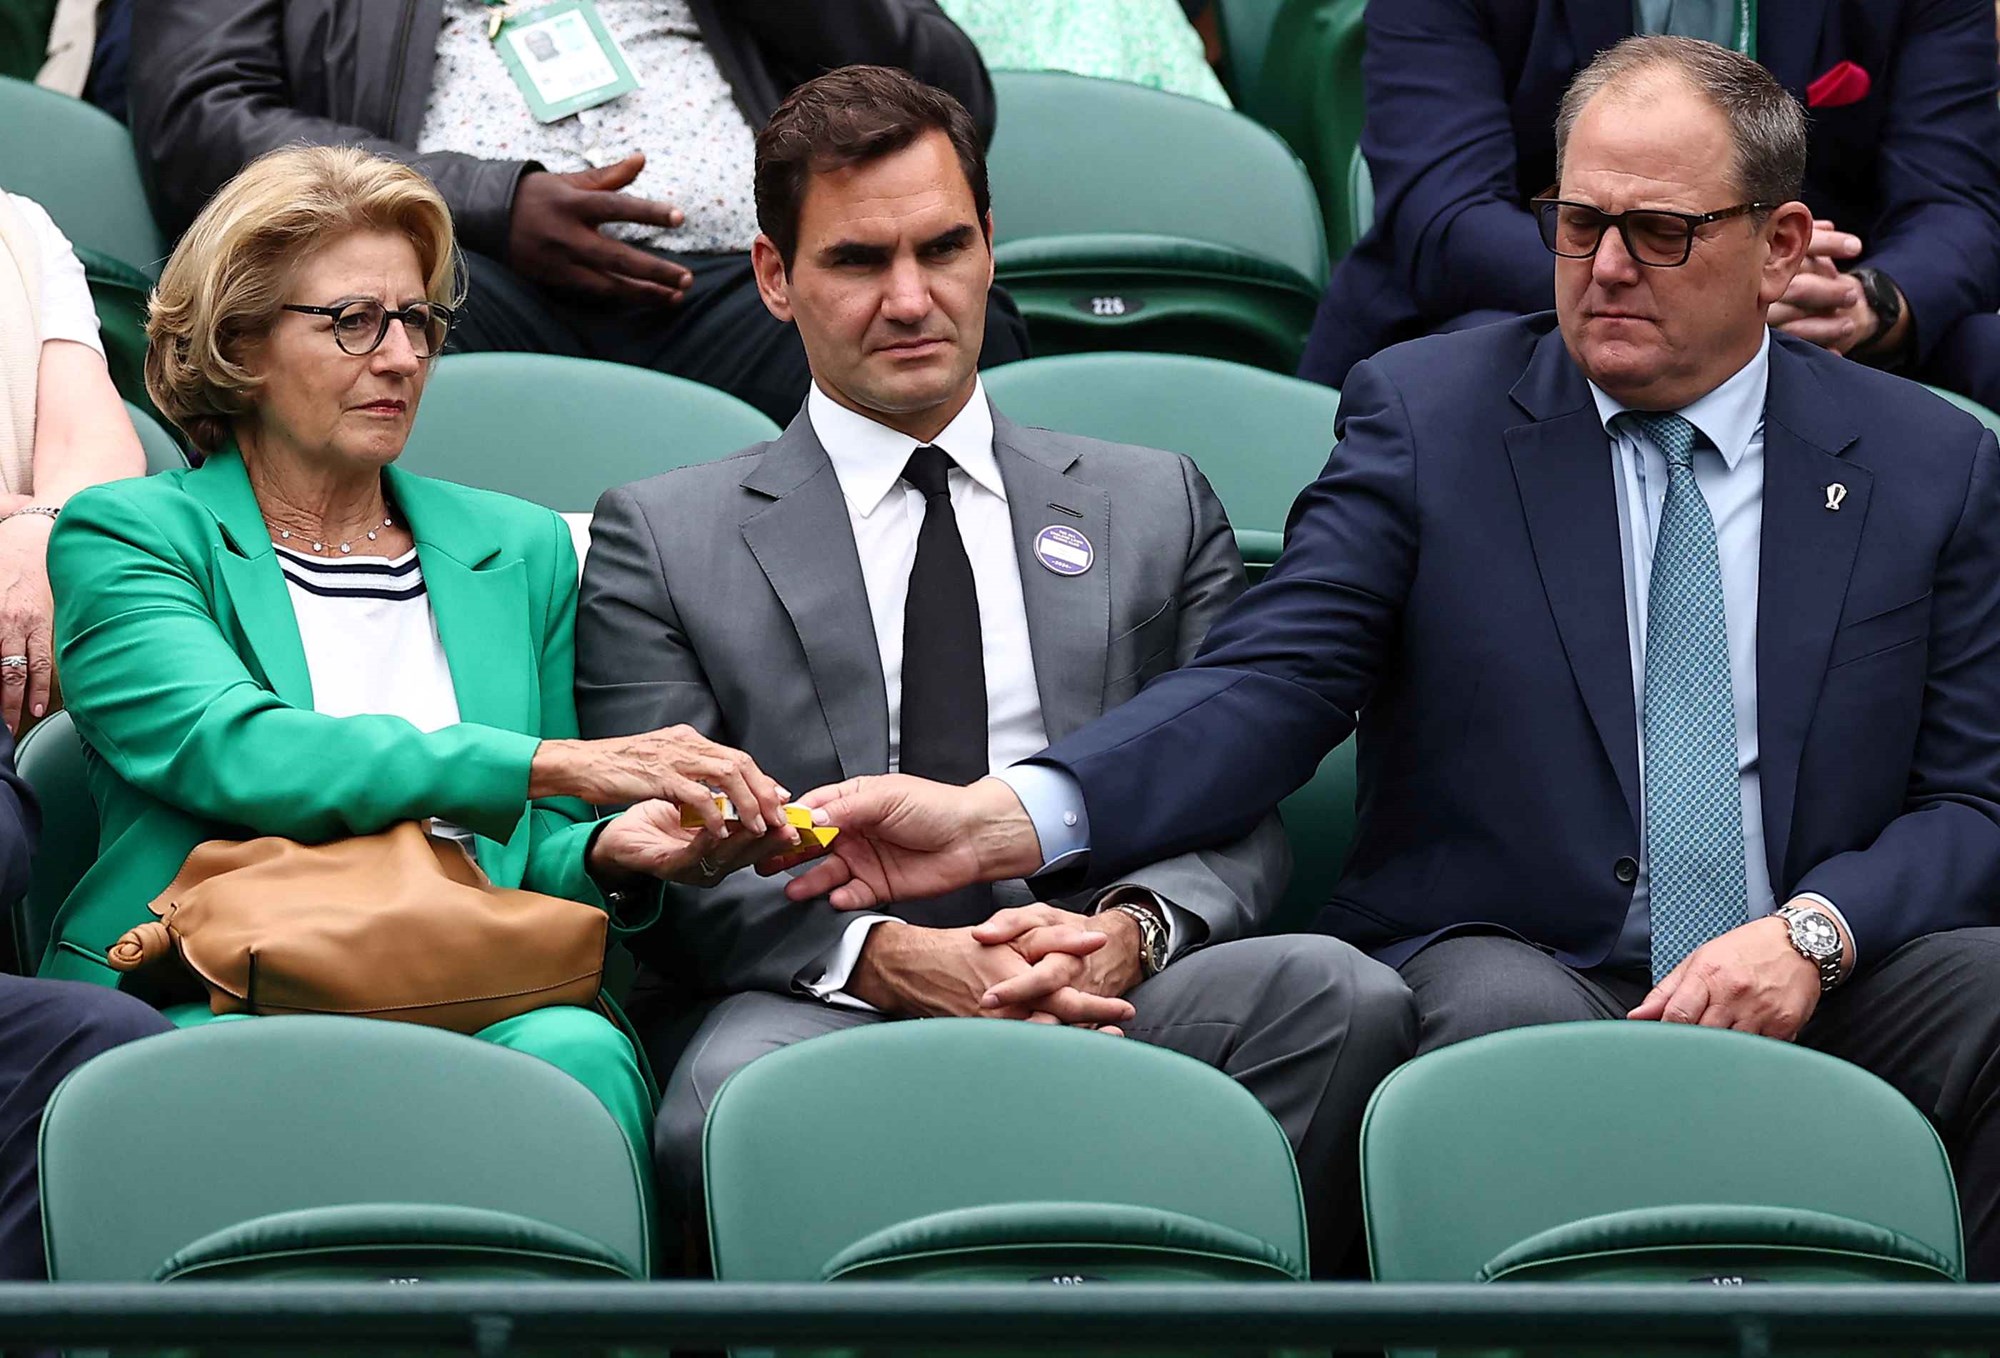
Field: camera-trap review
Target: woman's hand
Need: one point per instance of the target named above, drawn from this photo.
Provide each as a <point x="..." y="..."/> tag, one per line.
<point x="676" y="763"/>
<point x="27" y="614"/>
<point x="650" y="841"/>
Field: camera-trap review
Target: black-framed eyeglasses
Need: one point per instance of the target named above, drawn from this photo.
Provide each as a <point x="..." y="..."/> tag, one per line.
<point x="360" y="326"/>
<point x="1654" y="237"/>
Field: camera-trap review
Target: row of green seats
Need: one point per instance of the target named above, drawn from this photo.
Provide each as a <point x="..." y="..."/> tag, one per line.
<point x="329" y="1149"/>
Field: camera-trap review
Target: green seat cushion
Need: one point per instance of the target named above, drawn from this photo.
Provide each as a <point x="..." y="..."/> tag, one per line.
<point x="372" y="1242"/>
<point x="1701" y="1242"/>
<point x="1060" y="1241"/>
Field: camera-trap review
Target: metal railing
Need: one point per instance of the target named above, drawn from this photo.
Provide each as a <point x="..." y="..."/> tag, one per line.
<point x="491" y="1319"/>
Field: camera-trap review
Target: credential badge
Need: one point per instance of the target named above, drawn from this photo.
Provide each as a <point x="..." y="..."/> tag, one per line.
<point x="1063" y="550"/>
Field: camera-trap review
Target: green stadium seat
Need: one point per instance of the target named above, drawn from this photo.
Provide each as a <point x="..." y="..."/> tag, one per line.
<point x="119" y="293"/>
<point x="1971" y="407"/>
<point x="1649" y="1152"/>
<point x="562" y="431"/>
<point x="1259" y="437"/>
<point x="24" y="36"/>
<point x="1309" y="92"/>
<point x="310" y="1148"/>
<point x="1133" y="219"/>
<point x="50" y="759"/>
<point x="1246" y="33"/>
<point x="920" y="1151"/>
<point x="1319" y="824"/>
<point x="163" y="451"/>
<point x="78" y="163"/>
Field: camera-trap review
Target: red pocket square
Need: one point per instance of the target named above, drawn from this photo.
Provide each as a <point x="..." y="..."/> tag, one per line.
<point x="1843" y="83"/>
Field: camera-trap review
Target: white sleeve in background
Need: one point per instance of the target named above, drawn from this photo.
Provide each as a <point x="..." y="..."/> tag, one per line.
<point x="67" y="312"/>
<point x="832" y="983"/>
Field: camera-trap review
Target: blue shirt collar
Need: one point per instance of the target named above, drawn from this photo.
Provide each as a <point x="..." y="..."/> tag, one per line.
<point x="1729" y="416"/>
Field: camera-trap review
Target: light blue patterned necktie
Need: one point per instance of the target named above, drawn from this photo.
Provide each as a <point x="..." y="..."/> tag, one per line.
<point x="1694" y="810"/>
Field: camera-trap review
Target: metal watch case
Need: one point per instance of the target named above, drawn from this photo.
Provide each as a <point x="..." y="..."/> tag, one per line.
<point x="1817" y="939"/>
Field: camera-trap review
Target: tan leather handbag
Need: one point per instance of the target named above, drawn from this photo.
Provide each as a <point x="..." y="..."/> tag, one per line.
<point x="397" y="925"/>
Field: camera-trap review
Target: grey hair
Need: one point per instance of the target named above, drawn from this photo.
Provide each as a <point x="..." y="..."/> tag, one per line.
<point x="1767" y="123"/>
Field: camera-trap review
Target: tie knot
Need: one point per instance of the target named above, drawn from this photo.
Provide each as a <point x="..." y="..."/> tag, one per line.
<point x="926" y="470"/>
<point x="1671" y="434"/>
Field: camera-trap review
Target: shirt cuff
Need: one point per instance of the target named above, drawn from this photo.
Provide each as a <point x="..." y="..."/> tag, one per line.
<point x="1182" y="926"/>
<point x="832" y="983"/>
<point x="1845" y="927"/>
<point x="1054" y="804"/>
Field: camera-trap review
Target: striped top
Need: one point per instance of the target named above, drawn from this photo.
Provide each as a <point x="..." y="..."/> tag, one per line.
<point x="371" y="642"/>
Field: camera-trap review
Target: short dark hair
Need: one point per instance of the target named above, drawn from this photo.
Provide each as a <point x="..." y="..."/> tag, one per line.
<point x="1766" y="122"/>
<point x="851" y="116"/>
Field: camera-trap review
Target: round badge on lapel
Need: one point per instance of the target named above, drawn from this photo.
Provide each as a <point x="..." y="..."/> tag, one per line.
<point x="1063" y="550"/>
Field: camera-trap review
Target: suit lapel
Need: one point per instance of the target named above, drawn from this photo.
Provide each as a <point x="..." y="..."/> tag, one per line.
<point x="1069" y="616"/>
<point x="1562" y="469"/>
<point x="1805" y="562"/>
<point x="804" y="544"/>
<point x="248" y="566"/>
<point x="480" y="604"/>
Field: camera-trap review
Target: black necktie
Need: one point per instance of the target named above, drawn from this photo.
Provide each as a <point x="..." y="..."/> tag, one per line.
<point x="944" y="662"/>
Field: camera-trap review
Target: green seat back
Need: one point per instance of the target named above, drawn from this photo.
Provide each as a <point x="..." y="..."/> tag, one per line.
<point x="156" y="1146"/>
<point x="1319" y="826"/>
<point x="1259" y="437"/>
<point x="1246" y="33"/>
<point x="818" y="1146"/>
<point x="1130" y="218"/>
<point x="119" y="293"/>
<point x="78" y="163"/>
<point x="1971" y="407"/>
<point x="163" y="452"/>
<point x="562" y="431"/>
<point x="24" y="36"/>
<point x="1309" y="91"/>
<point x="50" y="759"/>
<point x="1472" y="1149"/>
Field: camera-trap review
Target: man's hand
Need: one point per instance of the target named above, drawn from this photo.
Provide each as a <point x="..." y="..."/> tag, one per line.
<point x="1751" y="979"/>
<point x="1826" y="307"/>
<point x="553" y="236"/>
<point x="908" y="839"/>
<point x="948" y="973"/>
<point x="1096" y="954"/>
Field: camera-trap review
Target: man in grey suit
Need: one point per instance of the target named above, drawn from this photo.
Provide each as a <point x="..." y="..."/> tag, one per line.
<point x="907" y="580"/>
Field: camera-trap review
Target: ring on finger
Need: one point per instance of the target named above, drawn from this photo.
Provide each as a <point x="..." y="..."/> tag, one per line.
<point x="13" y="662"/>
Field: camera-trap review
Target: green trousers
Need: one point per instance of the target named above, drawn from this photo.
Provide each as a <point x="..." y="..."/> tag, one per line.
<point x="581" y="1043"/>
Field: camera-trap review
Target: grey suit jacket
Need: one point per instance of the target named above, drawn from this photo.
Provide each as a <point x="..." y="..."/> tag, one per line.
<point x="729" y="596"/>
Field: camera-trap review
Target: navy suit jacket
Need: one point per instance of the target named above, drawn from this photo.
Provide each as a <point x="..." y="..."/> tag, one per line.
<point x="1454" y="577"/>
<point x="1462" y="98"/>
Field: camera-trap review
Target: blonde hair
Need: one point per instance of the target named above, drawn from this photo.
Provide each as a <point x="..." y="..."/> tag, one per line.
<point x="222" y="289"/>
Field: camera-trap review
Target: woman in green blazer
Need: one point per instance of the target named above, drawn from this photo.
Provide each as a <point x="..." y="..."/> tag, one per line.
<point x="299" y="639"/>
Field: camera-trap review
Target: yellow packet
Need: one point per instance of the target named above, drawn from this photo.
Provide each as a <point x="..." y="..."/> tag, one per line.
<point x="800" y="818"/>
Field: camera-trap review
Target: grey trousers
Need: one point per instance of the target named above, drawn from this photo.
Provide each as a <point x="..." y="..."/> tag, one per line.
<point x="1926" y="1018"/>
<point x="1304" y="1022"/>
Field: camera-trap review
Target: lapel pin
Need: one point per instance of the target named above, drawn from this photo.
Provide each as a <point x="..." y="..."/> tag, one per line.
<point x="1835" y="493"/>
<point x="1063" y="551"/>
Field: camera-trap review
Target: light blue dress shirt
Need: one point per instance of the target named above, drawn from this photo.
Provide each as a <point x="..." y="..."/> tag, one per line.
<point x="1729" y="469"/>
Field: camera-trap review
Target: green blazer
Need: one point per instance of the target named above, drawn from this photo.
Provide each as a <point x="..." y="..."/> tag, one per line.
<point x="182" y="667"/>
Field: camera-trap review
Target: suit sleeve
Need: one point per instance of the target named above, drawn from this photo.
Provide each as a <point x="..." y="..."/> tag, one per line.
<point x="162" y="695"/>
<point x="1440" y="147"/>
<point x="1937" y="865"/>
<point x="814" y="36"/>
<point x="209" y="94"/>
<point x="1203" y="754"/>
<point x="1233" y="889"/>
<point x="637" y="671"/>
<point x="1939" y="234"/>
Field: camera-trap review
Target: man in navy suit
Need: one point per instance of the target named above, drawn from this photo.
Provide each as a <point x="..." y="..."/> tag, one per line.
<point x="1674" y="644"/>
<point x="1904" y="270"/>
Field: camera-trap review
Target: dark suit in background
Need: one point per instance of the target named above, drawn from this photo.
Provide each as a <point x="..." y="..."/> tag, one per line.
<point x="1454" y="577"/>
<point x="1462" y="98"/>
<point x="730" y="596"/>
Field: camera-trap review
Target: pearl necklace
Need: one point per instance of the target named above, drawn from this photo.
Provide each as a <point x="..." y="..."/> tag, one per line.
<point x="285" y="535"/>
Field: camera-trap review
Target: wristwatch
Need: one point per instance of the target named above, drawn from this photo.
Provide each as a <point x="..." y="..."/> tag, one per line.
<point x="1817" y="939"/>
<point x="1884" y="301"/>
<point x="1152" y="938"/>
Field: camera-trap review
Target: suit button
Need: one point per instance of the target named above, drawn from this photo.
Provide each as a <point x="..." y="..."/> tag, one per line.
<point x="1626" y="870"/>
